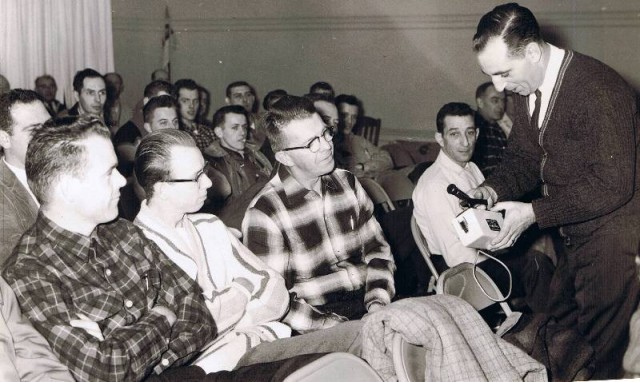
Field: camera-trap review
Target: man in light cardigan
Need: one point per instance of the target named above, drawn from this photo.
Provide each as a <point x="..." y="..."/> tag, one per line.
<point x="245" y="297"/>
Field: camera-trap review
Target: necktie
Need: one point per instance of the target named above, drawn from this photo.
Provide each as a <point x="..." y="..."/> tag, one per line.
<point x="536" y="109"/>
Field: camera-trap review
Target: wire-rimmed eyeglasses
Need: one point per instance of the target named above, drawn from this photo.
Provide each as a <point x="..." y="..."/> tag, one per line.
<point x="314" y="144"/>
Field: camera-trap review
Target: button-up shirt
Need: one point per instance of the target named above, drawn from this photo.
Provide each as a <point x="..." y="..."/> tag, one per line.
<point x="107" y="283"/>
<point x="323" y="245"/>
<point x="434" y="208"/>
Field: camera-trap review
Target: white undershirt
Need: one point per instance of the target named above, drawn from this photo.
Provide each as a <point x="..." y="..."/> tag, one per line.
<point x="550" y="76"/>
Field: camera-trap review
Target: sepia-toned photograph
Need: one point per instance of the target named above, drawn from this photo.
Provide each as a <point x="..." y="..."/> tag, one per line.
<point x="319" y="190"/>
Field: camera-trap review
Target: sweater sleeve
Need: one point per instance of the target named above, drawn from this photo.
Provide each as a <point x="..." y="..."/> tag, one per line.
<point x="269" y="299"/>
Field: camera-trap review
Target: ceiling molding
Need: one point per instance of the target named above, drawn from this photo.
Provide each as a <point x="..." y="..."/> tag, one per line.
<point x="356" y="23"/>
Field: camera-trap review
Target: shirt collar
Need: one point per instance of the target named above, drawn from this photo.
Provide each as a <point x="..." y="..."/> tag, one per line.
<point x="71" y="243"/>
<point x="551" y="73"/>
<point x="234" y="154"/>
<point x="448" y="163"/>
<point x="553" y="69"/>
<point x="294" y="192"/>
<point x="147" y="220"/>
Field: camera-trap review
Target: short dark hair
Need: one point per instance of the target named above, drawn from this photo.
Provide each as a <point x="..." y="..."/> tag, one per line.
<point x="480" y="90"/>
<point x="313" y="97"/>
<point x="157" y="103"/>
<point x="8" y="100"/>
<point x="113" y="74"/>
<point x="287" y="109"/>
<point x="154" y="74"/>
<point x="55" y="149"/>
<point x="457" y="109"/>
<point x="235" y="84"/>
<point x="515" y="24"/>
<point x="256" y="103"/>
<point x="272" y="97"/>
<point x="185" y="83"/>
<point x="45" y="77"/>
<point x="78" y="79"/>
<point x="220" y="114"/>
<point x="348" y="99"/>
<point x="154" y="87"/>
<point x="153" y="156"/>
<point x="323" y="87"/>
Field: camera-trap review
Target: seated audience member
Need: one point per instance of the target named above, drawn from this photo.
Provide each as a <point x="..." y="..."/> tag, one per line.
<point x="160" y="75"/>
<point x="5" y="86"/>
<point x="160" y="112"/>
<point x="26" y="355"/>
<point x="114" y="110"/>
<point x="188" y="96"/>
<point x="237" y="168"/>
<point x="409" y="279"/>
<point x="20" y="112"/>
<point x="492" y="133"/>
<point x="435" y="208"/>
<point x="243" y="94"/>
<point x="111" y="305"/>
<point x="90" y="92"/>
<point x="244" y="296"/>
<point x="203" y="109"/>
<point x="47" y="88"/>
<point x="323" y="88"/>
<point x="315" y="225"/>
<point x="128" y="137"/>
<point x="272" y="97"/>
<point x="353" y="152"/>
<point x="326" y="109"/>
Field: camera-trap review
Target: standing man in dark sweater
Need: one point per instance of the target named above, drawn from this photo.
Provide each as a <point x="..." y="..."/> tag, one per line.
<point x="574" y="135"/>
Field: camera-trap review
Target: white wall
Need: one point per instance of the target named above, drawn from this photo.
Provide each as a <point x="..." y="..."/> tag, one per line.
<point x="403" y="58"/>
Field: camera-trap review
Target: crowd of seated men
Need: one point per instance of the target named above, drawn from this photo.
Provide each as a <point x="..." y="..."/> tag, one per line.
<point x="174" y="242"/>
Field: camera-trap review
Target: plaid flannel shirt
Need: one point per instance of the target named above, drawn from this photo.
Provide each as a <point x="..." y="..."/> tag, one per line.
<point x="203" y="135"/>
<point x="113" y="279"/>
<point x="492" y="141"/>
<point x="323" y="246"/>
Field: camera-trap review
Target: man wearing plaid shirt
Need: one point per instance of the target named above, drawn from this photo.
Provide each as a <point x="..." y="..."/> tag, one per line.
<point x="315" y="225"/>
<point x="187" y="93"/>
<point x="112" y="306"/>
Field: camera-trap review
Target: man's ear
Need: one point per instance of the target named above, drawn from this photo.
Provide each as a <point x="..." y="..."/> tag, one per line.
<point x="227" y="100"/>
<point x="76" y="95"/>
<point x="217" y="131"/>
<point x="479" y="102"/>
<point x="284" y="158"/>
<point x="66" y="187"/>
<point x="147" y="127"/>
<point x="439" y="139"/>
<point x="145" y="100"/>
<point x="158" y="190"/>
<point x="5" y="139"/>
<point x="533" y="52"/>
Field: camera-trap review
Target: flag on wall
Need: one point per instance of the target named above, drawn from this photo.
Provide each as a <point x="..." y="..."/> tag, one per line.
<point x="166" y="42"/>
